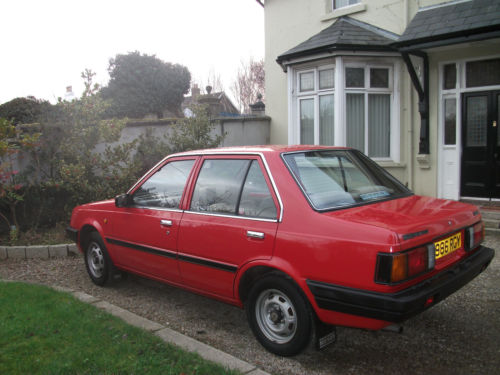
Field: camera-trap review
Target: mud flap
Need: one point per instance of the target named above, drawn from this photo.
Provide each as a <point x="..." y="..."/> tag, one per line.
<point x="325" y="335"/>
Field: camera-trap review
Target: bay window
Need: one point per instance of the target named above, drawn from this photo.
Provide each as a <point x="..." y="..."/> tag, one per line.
<point x="349" y="103"/>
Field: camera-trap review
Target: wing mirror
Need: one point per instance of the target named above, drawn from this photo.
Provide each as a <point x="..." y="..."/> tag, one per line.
<point x="123" y="200"/>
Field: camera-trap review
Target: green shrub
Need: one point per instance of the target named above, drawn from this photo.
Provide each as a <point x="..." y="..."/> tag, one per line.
<point x="64" y="170"/>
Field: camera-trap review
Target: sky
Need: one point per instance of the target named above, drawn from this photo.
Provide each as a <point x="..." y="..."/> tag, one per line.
<point x="45" y="45"/>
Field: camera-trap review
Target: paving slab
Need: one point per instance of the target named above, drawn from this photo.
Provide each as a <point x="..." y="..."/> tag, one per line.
<point x="204" y="350"/>
<point x="18" y="252"/>
<point x="33" y="252"/>
<point x="257" y="371"/>
<point x="56" y="251"/>
<point x="84" y="297"/>
<point x="62" y="289"/>
<point x="129" y="317"/>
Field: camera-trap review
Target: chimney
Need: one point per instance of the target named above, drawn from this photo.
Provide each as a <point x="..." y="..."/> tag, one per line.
<point x="195" y="91"/>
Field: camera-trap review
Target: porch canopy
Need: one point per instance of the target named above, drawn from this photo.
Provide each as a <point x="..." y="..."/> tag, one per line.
<point x="451" y="23"/>
<point x="455" y="22"/>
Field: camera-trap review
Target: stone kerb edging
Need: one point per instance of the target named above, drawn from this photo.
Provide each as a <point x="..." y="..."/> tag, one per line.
<point x="39" y="251"/>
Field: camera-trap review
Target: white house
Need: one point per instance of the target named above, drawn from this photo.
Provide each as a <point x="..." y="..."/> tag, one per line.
<point x="415" y="84"/>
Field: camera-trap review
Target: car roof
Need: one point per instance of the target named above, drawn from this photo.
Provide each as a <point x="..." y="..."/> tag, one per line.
<point x="264" y="149"/>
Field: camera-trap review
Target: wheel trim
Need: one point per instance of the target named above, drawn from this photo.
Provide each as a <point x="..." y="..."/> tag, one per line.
<point x="95" y="260"/>
<point x="276" y="316"/>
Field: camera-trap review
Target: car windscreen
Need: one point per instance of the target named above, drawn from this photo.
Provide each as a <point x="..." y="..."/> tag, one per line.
<point x="333" y="179"/>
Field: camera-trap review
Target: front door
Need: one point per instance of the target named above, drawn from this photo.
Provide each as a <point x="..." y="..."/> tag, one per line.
<point x="481" y="145"/>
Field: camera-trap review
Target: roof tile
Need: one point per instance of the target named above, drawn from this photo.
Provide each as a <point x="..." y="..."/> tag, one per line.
<point x="345" y="32"/>
<point x="455" y="17"/>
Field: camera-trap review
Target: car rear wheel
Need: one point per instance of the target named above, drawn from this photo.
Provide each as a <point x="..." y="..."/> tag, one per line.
<point x="279" y="315"/>
<point x="97" y="261"/>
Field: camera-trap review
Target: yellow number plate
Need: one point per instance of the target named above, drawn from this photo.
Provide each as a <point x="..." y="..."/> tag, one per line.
<point x="448" y="245"/>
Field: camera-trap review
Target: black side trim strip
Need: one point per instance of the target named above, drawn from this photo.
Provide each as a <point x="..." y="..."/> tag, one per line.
<point x="146" y="249"/>
<point x="173" y="255"/>
<point x="208" y="263"/>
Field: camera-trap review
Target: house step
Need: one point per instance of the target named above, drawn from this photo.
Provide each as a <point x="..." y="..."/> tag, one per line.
<point x="491" y="219"/>
<point x="491" y="223"/>
<point x="490" y="214"/>
<point x="492" y="230"/>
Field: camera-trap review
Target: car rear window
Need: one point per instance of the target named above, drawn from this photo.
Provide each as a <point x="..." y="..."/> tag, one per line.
<point x="333" y="179"/>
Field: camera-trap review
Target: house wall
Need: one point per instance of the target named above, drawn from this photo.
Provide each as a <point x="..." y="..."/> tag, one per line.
<point x="290" y="22"/>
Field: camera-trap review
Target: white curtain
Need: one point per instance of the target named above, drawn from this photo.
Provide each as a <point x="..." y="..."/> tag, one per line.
<point x="379" y="125"/>
<point x="355" y="121"/>
<point x="326" y="120"/>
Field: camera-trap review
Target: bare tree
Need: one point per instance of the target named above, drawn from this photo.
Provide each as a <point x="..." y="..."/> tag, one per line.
<point x="249" y="83"/>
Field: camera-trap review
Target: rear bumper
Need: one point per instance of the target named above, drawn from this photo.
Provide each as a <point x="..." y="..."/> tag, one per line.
<point x="72" y="234"/>
<point x="397" y="307"/>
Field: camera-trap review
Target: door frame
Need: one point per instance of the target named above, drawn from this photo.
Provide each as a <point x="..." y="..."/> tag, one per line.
<point x="450" y="156"/>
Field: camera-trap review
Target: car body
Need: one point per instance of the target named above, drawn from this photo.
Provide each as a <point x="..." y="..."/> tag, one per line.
<point x="295" y="234"/>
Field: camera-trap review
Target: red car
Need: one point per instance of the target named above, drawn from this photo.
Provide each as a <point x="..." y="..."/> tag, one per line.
<point x="303" y="237"/>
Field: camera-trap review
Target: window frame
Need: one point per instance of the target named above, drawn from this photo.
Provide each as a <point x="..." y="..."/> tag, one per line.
<point x="163" y="163"/>
<point x="334" y="7"/>
<point x="366" y="91"/>
<point x="264" y="168"/>
<point x="315" y="95"/>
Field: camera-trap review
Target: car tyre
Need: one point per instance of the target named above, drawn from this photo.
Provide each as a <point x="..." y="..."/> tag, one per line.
<point x="97" y="260"/>
<point x="279" y="315"/>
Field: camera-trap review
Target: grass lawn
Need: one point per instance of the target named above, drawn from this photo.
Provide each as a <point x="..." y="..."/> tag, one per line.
<point x="43" y="331"/>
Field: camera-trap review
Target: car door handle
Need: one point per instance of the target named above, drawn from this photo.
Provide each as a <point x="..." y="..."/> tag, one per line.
<point x="166" y="223"/>
<point x="258" y="235"/>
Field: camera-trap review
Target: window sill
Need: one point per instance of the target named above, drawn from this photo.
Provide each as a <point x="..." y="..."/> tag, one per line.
<point x="356" y="8"/>
<point x="389" y="163"/>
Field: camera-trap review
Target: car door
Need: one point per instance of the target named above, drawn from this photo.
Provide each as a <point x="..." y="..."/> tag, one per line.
<point x="144" y="233"/>
<point x="232" y="219"/>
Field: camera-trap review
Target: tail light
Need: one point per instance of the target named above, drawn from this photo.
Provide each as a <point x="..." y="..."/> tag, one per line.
<point x="399" y="267"/>
<point x="474" y="235"/>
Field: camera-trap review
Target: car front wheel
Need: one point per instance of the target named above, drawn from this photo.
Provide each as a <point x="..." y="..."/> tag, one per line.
<point x="97" y="261"/>
<point x="279" y="315"/>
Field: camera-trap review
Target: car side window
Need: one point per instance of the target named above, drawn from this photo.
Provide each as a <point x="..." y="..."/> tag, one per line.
<point x="218" y="186"/>
<point x="164" y="188"/>
<point x="256" y="199"/>
<point x="233" y="187"/>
